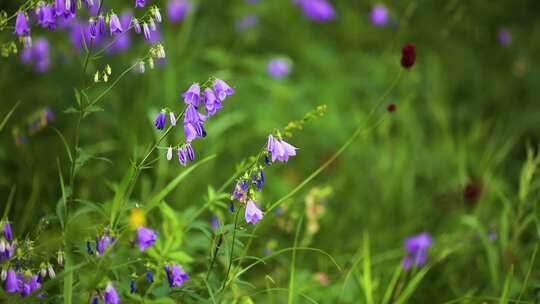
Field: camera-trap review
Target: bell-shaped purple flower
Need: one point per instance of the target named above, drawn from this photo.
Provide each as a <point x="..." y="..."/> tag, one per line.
<point x="417" y="248"/>
<point x="193" y="123"/>
<point x="216" y="223"/>
<point x="30" y="285"/>
<point x="211" y="103"/>
<point x="379" y="15"/>
<point x="161" y="120"/>
<point x="259" y="179"/>
<point x="240" y="190"/>
<point x="111" y="295"/>
<point x="279" y="68"/>
<point x="101" y="24"/>
<point x="115" y="25"/>
<point x="505" y="37"/>
<point x="95" y="300"/>
<point x="21" y="25"/>
<point x="192" y="95"/>
<point x="279" y="149"/>
<point x="133" y="286"/>
<point x="222" y="89"/>
<point x="9" y="251"/>
<point x="190" y="152"/>
<point x="176" y="275"/>
<point x="146" y="237"/>
<point x="150" y="276"/>
<point x="247" y="22"/>
<point x="177" y="10"/>
<point x="253" y="213"/>
<point x="102" y="244"/>
<point x="12" y="282"/>
<point x="46" y="17"/>
<point x="140" y="3"/>
<point x="318" y="10"/>
<point x="8" y="232"/>
<point x="182" y="157"/>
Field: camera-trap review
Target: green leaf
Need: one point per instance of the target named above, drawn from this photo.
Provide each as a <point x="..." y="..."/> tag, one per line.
<point x="411" y="287"/>
<point x="154" y="201"/>
<point x="5" y="120"/>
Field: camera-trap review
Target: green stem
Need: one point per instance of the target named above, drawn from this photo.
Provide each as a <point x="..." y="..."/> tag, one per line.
<point x="232" y="250"/>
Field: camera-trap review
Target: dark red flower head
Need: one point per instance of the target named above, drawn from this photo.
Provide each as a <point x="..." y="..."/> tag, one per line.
<point x="391" y="107"/>
<point x="408" y="55"/>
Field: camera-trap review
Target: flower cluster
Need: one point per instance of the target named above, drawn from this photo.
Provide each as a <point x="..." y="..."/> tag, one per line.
<point x="210" y="97"/>
<point x="417" y="250"/>
<point x="254" y="178"/>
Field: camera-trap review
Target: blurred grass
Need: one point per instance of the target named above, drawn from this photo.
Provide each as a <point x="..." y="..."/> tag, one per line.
<point x="466" y="113"/>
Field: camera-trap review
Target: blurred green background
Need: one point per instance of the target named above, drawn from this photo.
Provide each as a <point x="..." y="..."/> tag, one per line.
<point x="467" y="113"/>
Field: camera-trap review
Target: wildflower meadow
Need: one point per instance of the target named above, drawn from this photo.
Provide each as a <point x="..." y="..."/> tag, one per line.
<point x="269" y="151"/>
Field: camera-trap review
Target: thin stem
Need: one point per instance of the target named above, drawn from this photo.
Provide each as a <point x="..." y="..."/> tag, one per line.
<point x="232" y="250"/>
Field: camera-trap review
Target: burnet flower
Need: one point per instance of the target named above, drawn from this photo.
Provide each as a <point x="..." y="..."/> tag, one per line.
<point x="417" y="250"/>
<point x="279" y="149"/>
<point x="192" y="95"/>
<point x="253" y="213"/>
<point x="176" y="275"/>
<point x="408" y="55"/>
<point x="146" y="237"/>
<point x="111" y="295"/>
<point x="21" y="25"/>
<point x="115" y="25"/>
<point x="161" y="120"/>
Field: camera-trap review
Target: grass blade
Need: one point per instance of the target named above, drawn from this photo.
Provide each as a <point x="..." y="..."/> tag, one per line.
<point x="5" y="120"/>
<point x="366" y="278"/>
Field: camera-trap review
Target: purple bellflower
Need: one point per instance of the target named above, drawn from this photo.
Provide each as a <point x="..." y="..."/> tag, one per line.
<point x="161" y="120"/>
<point x="279" y="68"/>
<point x="182" y="157"/>
<point x="46" y="17"/>
<point x="192" y="95"/>
<point x="8" y="233"/>
<point x="247" y="22"/>
<point x="417" y="248"/>
<point x="115" y="25"/>
<point x="21" y="25"/>
<point x="177" y="10"/>
<point x="176" y="275"/>
<point x="505" y="37"/>
<point x="12" y="283"/>
<point x="150" y="276"/>
<point x="318" y="10"/>
<point x="190" y="152"/>
<point x="222" y="89"/>
<point x="253" y="213"/>
<point x="212" y="104"/>
<point x="111" y="295"/>
<point x="280" y="149"/>
<point x="146" y="237"/>
<point x="102" y="244"/>
<point x="259" y="179"/>
<point x="379" y="15"/>
<point x="240" y="191"/>
<point x="140" y="3"/>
